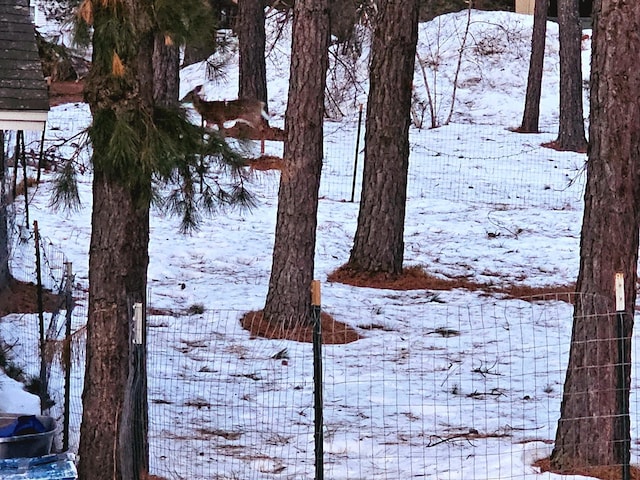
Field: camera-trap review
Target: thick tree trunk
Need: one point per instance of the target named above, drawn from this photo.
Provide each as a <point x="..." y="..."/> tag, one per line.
<point x="379" y="244"/>
<point x="117" y="278"/>
<point x="571" y="128"/>
<point x="531" y="115"/>
<point x="590" y="430"/>
<point x="113" y="435"/>
<point x="288" y="297"/>
<point x="251" y="43"/>
<point x="166" y="70"/>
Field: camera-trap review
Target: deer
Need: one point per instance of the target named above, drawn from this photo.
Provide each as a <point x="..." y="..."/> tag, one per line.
<point x="249" y="111"/>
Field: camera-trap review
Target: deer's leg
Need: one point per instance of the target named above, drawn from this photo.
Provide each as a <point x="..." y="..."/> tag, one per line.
<point x="262" y="127"/>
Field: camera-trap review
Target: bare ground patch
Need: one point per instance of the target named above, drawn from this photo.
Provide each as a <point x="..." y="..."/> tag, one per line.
<point x="416" y="278"/>
<point x="613" y="472"/>
<point x="333" y="331"/>
<point x="22" y="297"/>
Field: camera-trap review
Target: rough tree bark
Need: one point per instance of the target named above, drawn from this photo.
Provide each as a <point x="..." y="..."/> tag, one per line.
<point x="117" y="277"/>
<point x="571" y="123"/>
<point x="379" y="244"/>
<point x="251" y="45"/>
<point x="589" y="430"/>
<point x="166" y="70"/>
<point x="118" y="255"/>
<point x="531" y="115"/>
<point x="288" y="297"/>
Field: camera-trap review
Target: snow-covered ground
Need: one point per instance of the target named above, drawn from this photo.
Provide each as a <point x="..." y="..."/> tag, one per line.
<point x="452" y="384"/>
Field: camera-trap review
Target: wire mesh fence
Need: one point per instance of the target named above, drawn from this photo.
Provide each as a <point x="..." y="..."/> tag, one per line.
<point x="440" y="390"/>
<point x="469" y="391"/>
<point x="56" y="335"/>
<point x="229" y="400"/>
<point x="489" y="164"/>
<point x="457" y="162"/>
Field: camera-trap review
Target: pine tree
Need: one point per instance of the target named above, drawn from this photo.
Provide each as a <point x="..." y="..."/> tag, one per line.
<point x="531" y="114"/>
<point x="592" y="429"/>
<point x="251" y="42"/>
<point x="139" y="142"/>
<point x="378" y="244"/>
<point x="571" y="122"/>
<point x="288" y="298"/>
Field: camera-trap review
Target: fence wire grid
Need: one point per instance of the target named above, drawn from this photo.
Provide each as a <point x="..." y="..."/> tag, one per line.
<point x="451" y="392"/>
<point x="20" y="336"/>
<point x="485" y="164"/>
<point x="441" y="390"/>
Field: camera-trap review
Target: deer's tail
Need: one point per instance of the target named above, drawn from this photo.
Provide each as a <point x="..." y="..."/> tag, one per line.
<point x="263" y="112"/>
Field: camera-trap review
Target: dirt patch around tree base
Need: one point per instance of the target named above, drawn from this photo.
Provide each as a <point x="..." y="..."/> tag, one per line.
<point x="266" y="162"/>
<point x="243" y="131"/>
<point x="602" y="472"/>
<point x="416" y="278"/>
<point x="333" y="331"/>
<point x="412" y="278"/>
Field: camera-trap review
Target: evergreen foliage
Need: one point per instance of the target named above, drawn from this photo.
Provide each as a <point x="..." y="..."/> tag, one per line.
<point x="182" y="21"/>
<point x="65" y="191"/>
<point x="148" y="151"/>
<point x="169" y="150"/>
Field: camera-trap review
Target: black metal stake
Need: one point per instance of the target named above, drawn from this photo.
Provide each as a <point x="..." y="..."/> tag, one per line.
<point x="25" y="178"/>
<point x="317" y="380"/>
<point x="44" y="388"/>
<point x="66" y="354"/>
<point x="355" y="164"/>
<point x="623" y="394"/>
<point x="623" y="407"/>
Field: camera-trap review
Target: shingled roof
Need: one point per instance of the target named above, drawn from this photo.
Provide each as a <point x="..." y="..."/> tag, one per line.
<point x="24" y="99"/>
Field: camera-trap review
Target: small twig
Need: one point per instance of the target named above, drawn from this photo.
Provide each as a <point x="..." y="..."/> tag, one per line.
<point x="472" y="434"/>
<point x="484" y="371"/>
<point x="494" y="391"/>
<point x="515" y="232"/>
<point x="445" y="332"/>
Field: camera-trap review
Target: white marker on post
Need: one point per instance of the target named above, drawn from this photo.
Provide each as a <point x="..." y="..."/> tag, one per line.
<point x="619" y="292"/>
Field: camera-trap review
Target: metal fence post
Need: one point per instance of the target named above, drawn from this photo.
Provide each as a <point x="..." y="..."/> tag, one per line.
<point x="355" y="163"/>
<point x="66" y="352"/>
<point x="43" y="377"/>
<point x="623" y="407"/>
<point x="134" y="449"/>
<point x="317" y="379"/>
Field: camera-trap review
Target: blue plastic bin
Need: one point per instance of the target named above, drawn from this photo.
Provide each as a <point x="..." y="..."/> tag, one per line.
<point x="26" y="445"/>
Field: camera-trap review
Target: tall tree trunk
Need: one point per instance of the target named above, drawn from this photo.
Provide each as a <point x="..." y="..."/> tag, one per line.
<point x="379" y="244"/>
<point x="202" y="46"/>
<point x="166" y="70"/>
<point x="113" y="435"/>
<point x="117" y="278"/>
<point x="571" y="128"/>
<point x="288" y="297"/>
<point x="251" y="43"/>
<point x="590" y="429"/>
<point x="531" y="115"/>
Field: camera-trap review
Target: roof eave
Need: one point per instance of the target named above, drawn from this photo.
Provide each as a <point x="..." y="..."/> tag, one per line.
<point x="33" y="120"/>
